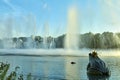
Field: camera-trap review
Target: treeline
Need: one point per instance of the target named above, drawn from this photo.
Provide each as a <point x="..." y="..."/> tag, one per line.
<point x="26" y="42"/>
<point x="106" y="40"/>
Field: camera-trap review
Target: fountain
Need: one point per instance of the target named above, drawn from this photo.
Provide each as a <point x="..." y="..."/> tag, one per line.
<point x="7" y="32"/>
<point x="72" y="42"/>
<point x="29" y="23"/>
<point x="46" y="33"/>
<point x="72" y="35"/>
<point x="52" y="44"/>
<point x="34" y="47"/>
<point x="14" y="36"/>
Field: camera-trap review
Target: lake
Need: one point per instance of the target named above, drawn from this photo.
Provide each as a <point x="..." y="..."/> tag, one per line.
<point x="58" y="67"/>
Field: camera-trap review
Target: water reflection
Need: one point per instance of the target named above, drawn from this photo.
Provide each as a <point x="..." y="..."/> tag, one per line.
<point x="57" y="68"/>
<point x="91" y="77"/>
<point x="72" y="68"/>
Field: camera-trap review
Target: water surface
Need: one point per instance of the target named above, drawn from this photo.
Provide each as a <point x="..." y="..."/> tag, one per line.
<point x="59" y="67"/>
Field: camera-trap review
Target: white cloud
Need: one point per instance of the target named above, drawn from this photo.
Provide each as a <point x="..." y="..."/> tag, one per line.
<point x="9" y="4"/>
<point x="14" y="7"/>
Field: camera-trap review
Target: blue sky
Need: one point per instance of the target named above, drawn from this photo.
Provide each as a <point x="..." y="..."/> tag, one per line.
<point x="27" y="17"/>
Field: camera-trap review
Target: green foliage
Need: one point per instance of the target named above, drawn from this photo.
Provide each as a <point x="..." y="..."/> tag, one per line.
<point x="106" y="40"/>
<point x="60" y="41"/>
